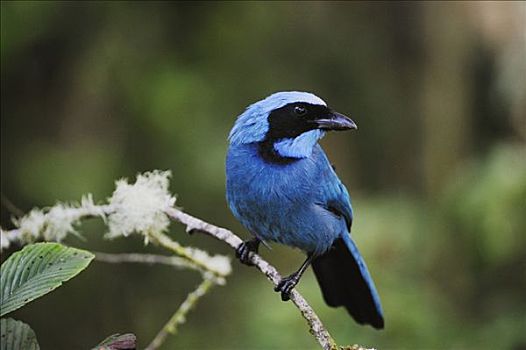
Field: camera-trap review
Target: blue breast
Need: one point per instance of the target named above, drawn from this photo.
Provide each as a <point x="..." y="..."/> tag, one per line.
<point x="285" y="203"/>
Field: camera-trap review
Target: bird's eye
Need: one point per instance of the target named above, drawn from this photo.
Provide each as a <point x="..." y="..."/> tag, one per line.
<point x="299" y="110"/>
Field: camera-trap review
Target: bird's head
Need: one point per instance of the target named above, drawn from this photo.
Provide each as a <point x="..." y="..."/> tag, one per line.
<point x="290" y="122"/>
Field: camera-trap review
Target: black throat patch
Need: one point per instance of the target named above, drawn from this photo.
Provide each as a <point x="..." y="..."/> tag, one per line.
<point x="270" y="155"/>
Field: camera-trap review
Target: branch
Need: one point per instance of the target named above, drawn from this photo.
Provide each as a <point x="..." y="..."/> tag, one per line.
<point x="218" y="265"/>
<point x="206" y="267"/>
<point x="132" y="208"/>
<point x="179" y="317"/>
<point x="145" y="259"/>
<point x="317" y="329"/>
<point x="146" y="207"/>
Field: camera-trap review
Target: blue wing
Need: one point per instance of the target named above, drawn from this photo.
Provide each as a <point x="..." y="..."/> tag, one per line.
<point x="334" y="195"/>
<point x="341" y="272"/>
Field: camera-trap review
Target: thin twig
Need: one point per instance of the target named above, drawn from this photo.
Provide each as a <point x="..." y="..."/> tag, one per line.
<point x="179" y="317"/>
<point x="218" y="265"/>
<point x="10" y="206"/>
<point x="144" y="259"/>
<point x="173" y="261"/>
<point x="317" y="329"/>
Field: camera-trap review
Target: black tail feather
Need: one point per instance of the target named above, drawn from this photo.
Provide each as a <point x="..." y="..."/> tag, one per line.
<point x="345" y="281"/>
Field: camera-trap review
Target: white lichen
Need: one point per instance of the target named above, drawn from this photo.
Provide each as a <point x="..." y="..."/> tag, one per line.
<point x="31" y="226"/>
<point x="137" y="207"/>
<point x="7" y="237"/>
<point x="217" y="263"/>
<point x="133" y="208"/>
<point x="140" y="207"/>
<point x="91" y="209"/>
<point x="60" y="221"/>
<point x="52" y="224"/>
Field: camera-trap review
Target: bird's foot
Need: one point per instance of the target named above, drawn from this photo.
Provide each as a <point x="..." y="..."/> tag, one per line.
<point x="244" y="249"/>
<point x="286" y="285"/>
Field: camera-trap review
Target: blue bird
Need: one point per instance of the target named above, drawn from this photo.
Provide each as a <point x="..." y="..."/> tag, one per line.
<point x="282" y="188"/>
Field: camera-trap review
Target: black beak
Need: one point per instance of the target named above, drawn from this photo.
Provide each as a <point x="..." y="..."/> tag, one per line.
<point x="336" y="121"/>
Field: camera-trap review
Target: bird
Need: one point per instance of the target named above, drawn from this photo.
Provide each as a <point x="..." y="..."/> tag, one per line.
<point x="282" y="188"/>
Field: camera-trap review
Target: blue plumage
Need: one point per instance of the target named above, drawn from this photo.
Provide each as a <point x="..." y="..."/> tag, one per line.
<point x="282" y="188"/>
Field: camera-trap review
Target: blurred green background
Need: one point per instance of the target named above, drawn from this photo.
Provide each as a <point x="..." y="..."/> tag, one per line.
<point x="95" y="91"/>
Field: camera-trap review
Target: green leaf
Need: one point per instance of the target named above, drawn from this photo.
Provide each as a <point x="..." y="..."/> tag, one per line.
<point x="36" y="270"/>
<point x="16" y="335"/>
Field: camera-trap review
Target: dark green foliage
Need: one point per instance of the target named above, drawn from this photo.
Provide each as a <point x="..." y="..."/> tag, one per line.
<point x="16" y="335"/>
<point x="37" y="270"/>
